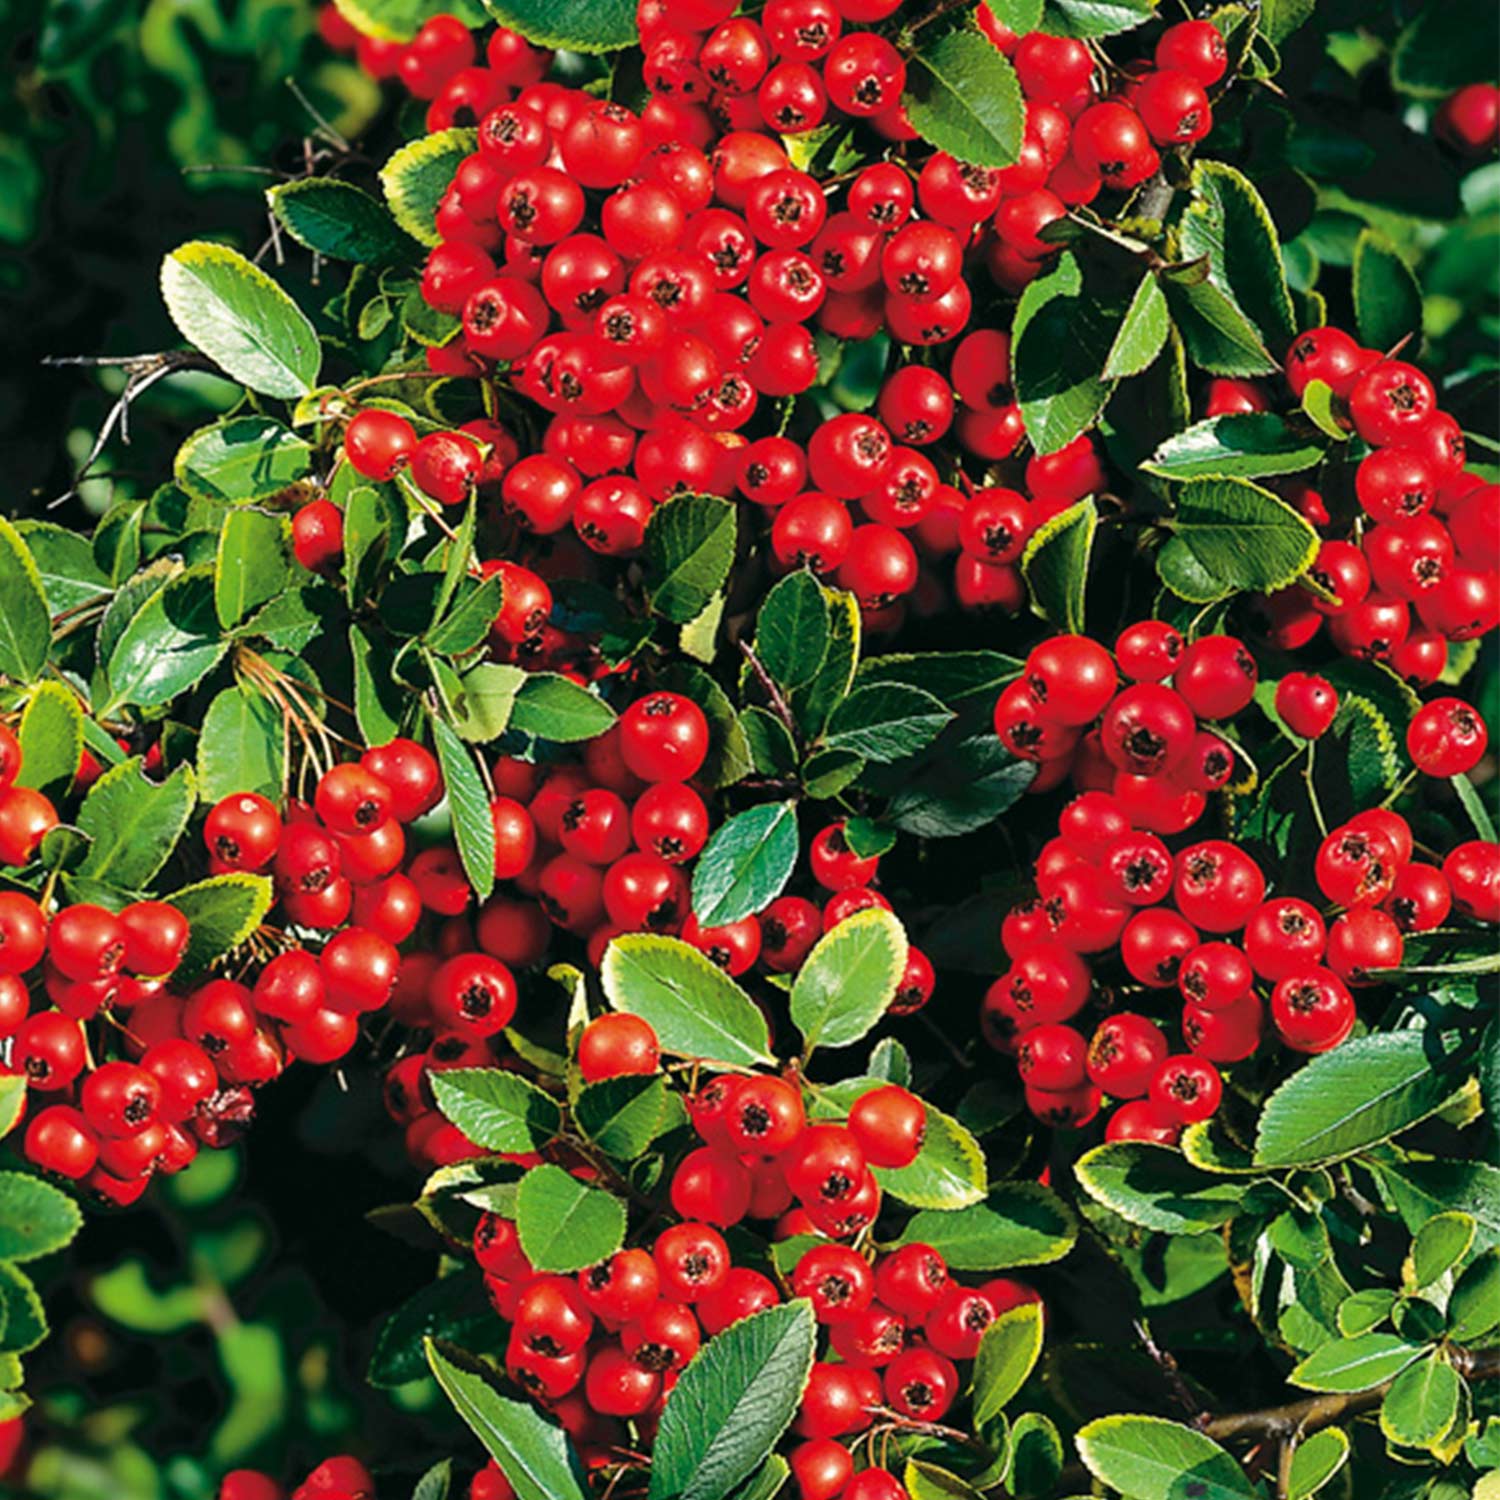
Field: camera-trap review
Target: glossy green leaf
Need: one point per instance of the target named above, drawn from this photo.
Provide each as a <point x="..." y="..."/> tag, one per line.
<point x="1474" y="1304"/>
<point x="222" y="912"/>
<point x="252" y="565"/>
<point x="1228" y="536"/>
<point x="622" y="1116"/>
<point x="1240" y="446"/>
<point x="473" y="827"/>
<point x="35" y="1217"/>
<point x="1008" y="1352"/>
<point x="25" y="621"/>
<point x="564" y="1224"/>
<point x="1316" y="1460"/>
<point x="241" y="746"/>
<point x="340" y="221"/>
<point x="51" y="737"/>
<point x="1446" y="46"/>
<point x="886" y="722"/>
<point x="849" y="979"/>
<point x="746" y="864"/>
<point x="1422" y="1403"/>
<point x="1090" y="18"/>
<point x="416" y="177"/>
<point x="689" y="548"/>
<point x="962" y="97"/>
<point x="791" y="630"/>
<point x="454" y="1307"/>
<point x="949" y="1172"/>
<point x="171" y="643"/>
<point x="134" y="823"/>
<point x="1055" y="565"/>
<point x="1142" y="334"/>
<point x="1153" y="1186"/>
<point x="1149" y="1458"/>
<point x="496" y="1109"/>
<point x="1357" y="1364"/>
<point x="576" y="25"/>
<point x="1387" y="298"/>
<point x="553" y="707"/>
<point x="965" y="786"/>
<point x="1439" y="1245"/>
<point x="241" y="459"/>
<point x="1018" y="1224"/>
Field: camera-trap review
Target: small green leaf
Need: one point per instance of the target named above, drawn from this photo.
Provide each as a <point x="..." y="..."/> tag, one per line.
<point x="1366" y="1310"/>
<point x="1422" y="1403"/>
<point x="532" y="1451"/>
<point x="171" y="643"/>
<point x="1143" y="333"/>
<point x="1439" y="1245"/>
<point x="732" y="1404"/>
<point x="1357" y="1364"/>
<point x="1090" y="18"/>
<point x="1055" y="565"/>
<point x="689" y="548"/>
<point x="222" y="912"/>
<point x="694" y="1007"/>
<point x="565" y="1225"/>
<point x="23" y="1323"/>
<point x="340" y="221"/>
<point x="468" y="623"/>
<point x="487" y="698"/>
<point x="496" y="1109"/>
<point x="848" y="981"/>
<point x="962" y="97"/>
<point x="791" y="631"/>
<point x="65" y="564"/>
<point x="1240" y="446"/>
<point x="473" y="827"/>
<point x="949" y="1172"/>
<point x="241" y="747"/>
<point x="1149" y="1458"/>
<point x="134" y="823"/>
<point x="552" y="707"/>
<point x="746" y="864"/>
<point x="416" y="177"/>
<point x="1474" y="1305"/>
<point x="1387" y="299"/>
<point x="623" y="1115"/>
<point x="1153" y="1186"/>
<point x="234" y="313"/>
<point x="1229" y="536"/>
<point x="886" y="722"/>
<point x="964" y="787"/>
<point x="453" y="1307"/>
<point x="1061" y="339"/>
<point x="1018" y="1224"/>
<point x="51" y="737"/>
<point x="35" y="1217"/>
<point x="25" y="621"/>
<point x="575" y="25"/>
<point x="1316" y="1460"/>
<point x="1008" y="1353"/>
<point x="925" y="1481"/>
<point x="241" y="459"/>
<point x="252" y="565"/>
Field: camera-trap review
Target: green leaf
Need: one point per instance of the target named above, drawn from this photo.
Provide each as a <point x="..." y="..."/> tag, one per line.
<point x="241" y="747"/>
<point x="577" y="25"/>
<point x="1422" y="1403"/>
<point x="533" y="1452"/>
<point x="134" y="823"/>
<point x="552" y="707"/>
<point x="952" y="676"/>
<point x="1365" y="1091"/>
<point x="370" y="521"/>
<point x="1473" y="805"/>
<point x="964" y="787"/>
<point x="746" y="864"/>
<point x="1229" y="536"/>
<point x="1445" y="47"/>
<point x="51" y="736"/>
<point x="962" y="97"/>
<point x="1153" y="1186"/>
<point x="811" y="705"/>
<point x="728" y="749"/>
<point x="1421" y="1188"/>
<point x="1387" y="299"/>
<point x="486" y="700"/>
<point x="23" y="1323"/>
<point x="565" y="1225"/>
<point x="732" y="1404"/>
<point x="1316" y="1460"/>
<point x="35" y="1217"/>
<point x="1362" y="1311"/>
<point x="453" y="1307"/>
<point x="1149" y="1458"/>
<point x="25" y="620"/>
<point x="791" y="631"/>
<point x="171" y="643"/>
<point x="949" y="1172"/>
<point x="1018" y="1224"/>
<point x="849" y="979"/>
<point x="241" y="459"/>
<point x="1357" y="1364"/>
<point x="1089" y="18"/>
<point x="222" y="912"/>
<point x="694" y="1007"/>
<point x="252" y="565"/>
<point x="436" y="1483"/>
<point x="1143" y="333"/>
<point x="1228" y="223"/>
<point x="1036" y="1456"/>
<point x="377" y="700"/>
<point x="1280" y="18"/>
<point x="928" y="1482"/>
<point x="473" y="827"/>
<point x="623" y="1115"/>
<point x="1474" y="1305"/>
<point x="1055" y="565"/>
<point x="416" y="177"/>
<point x="65" y="564"/>
<point x="772" y="749"/>
<point x="340" y="221"/>
<point x="496" y="1109"/>
<point x="1439" y="1245"/>
<point x="1218" y="337"/>
<point x="468" y="623"/>
<point x="399" y="20"/>
<point x="12" y="1101"/>
<point x="234" y="313"/>
<point x="1241" y="446"/>
<point x="689" y="548"/>
<point x="886" y="722"/>
<point x="1061" y="339"/>
<point x="1008" y="1353"/>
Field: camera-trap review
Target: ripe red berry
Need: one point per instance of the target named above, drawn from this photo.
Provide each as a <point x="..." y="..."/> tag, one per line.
<point x="1307" y="703"/>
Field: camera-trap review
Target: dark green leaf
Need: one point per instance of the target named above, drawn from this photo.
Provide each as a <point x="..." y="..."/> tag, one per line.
<point x="733" y="1402"/>
<point x="473" y="827"/>
<point x="468" y="623"/>
<point x="962" y="97"/>
<point x="453" y="1307"/>
<point x="952" y="676"/>
<point x="1087" y="18"/>
<point x="1241" y="446"/>
<point x="25" y="623"/>
<point x="1387" y="299"/>
<point x="746" y="864"/>
<point x="689" y="547"/>
<point x="496" y="1109"/>
<point x="811" y="705"/>
<point x="241" y="459"/>
<point x="65" y="563"/>
<point x="234" y="313"/>
<point x="1018" y="1224"/>
<point x="1422" y="1403"/>
<point x="377" y="701"/>
<point x="1055" y="565"/>
<point x="1143" y="332"/>
<point x="134" y="823"/>
<point x="23" y="1323"/>
<point x="1446" y="46"/>
<point x="171" y="643"/>
<point x="1474" y="1306"/>
<point x="1153" y="1186"/>
<point x="964" y="787"/>
<point x="1228" y="536"/>
<point x="576" y="25"/>
<point x="791" y="631"/>
<point x="623" y="1115"/>
<point x="340" y="221"/>
<point x="1420" y="1189"/>
<point x="886" y="722"/>
<point x="565" y="1225"/>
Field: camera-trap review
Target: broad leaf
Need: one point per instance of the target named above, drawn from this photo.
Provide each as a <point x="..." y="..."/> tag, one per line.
<point x="241" y="746"/>
<point x="171" y="643"/>
<point x="340" y="221"/>
<point x="252" y="566"/>
<point x="1317" y="1459"/>
<point x="952" y="676"/>
<point x="454" y="1307"/>
<point x="622" y="1116"/>
<point x="1439" y="1245"/>
<point x="25" y="620"/>
<point x="1422" y="1403"/>
<point x="949" y="1172"/>
<point x="1088" y="18"/>
<point x="746" y="864"/>
<point x="1229" y="536"/>
<point x="886" y="722"/>
<point x="1008" y="1353"/>
<point x="1387" y="299"/>
<point x="1148" y="1458"/>
<point x="732" y="1404"/>
<point x="1018" y="1224"/>
<point x="565" y="1225"/>
<point x="849" y="979"/>
<point x="689" y="548"/>
<point x="1055" y="565"/>
<point x="694" y="1007"/>
<point x="222" y="912"/>
<point x="496" y="1109"/>
<point x="962" y="97"/>
<point x="576" y="25"/>
<point x="35" y="1217"/>
<point x="51" y="737"/>
<point x="65" y="565"/>
<point x="241" y="459"/>
<point x="532" y="1451"/>
<point x="1153" y="1186"/>
<point x="234" y="313"/>
<point x="1142" y="334"/>
<point x="791" y="631"/>
<point x="134" y="823"/>
<point x="553" y="707"/>
<point x="416" y="177"/>
<point x="1240" y="446"/>
<point x="1357" y="1364"/>
<point x="473" y="827"/>
<point x="964" y="786"/>
<point x="1421" y="1188"/>
<point x="1446" y="46"/>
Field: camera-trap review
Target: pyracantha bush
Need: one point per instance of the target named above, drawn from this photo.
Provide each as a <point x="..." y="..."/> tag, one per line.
<point x="760" y="662"/>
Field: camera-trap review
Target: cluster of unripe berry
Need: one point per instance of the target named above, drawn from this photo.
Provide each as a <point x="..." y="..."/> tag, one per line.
<point x="1412" y="563"/>
<point x="1111" y="890"/>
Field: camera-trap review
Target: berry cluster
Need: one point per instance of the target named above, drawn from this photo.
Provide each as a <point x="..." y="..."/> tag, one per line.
<point x="1110" y="890"/>
<point x="342" y="1477"/>
<point x="1411" y="563"/>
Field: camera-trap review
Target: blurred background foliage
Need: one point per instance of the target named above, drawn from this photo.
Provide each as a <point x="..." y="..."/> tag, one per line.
<point x="230" y="1321"/>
